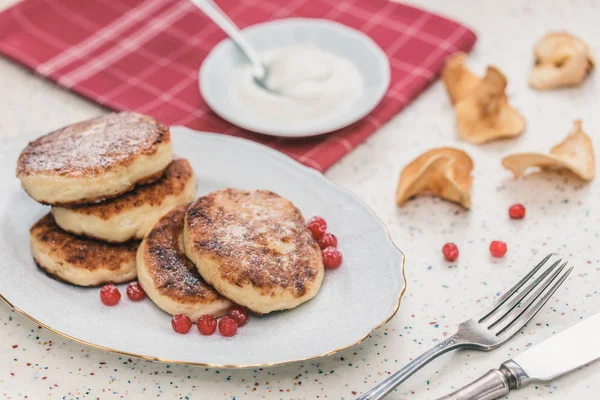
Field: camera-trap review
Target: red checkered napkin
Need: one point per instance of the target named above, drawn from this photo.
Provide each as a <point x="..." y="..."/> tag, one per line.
<point x="144" y="55"/>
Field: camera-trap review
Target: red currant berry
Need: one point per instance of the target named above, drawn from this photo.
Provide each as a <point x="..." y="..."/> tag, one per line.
<point x="450" y="252"/>
<point x="135" y="292"/>
<point x="181" y="323"/>
<point x="110" y="295"/>
<point x="239" y="315"/>
<point x="497" y="248"/>
<point x="332" y="258"/>
<point x="207" y="324"/>
<point x="317" y="226"/>
<point x="327" y="240"/>
<point x="227" y="326"/>
<point x="516" y="211"/>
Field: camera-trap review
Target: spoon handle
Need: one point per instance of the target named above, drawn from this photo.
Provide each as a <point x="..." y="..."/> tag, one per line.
<point x="218" y="16"/>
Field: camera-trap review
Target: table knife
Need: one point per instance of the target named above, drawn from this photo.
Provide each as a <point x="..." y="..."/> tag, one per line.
<point x="570" y="349"/>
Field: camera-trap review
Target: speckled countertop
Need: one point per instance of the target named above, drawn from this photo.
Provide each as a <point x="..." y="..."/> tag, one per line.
<point x="561" y="217"/>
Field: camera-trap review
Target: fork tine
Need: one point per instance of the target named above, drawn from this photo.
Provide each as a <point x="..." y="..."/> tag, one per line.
<point x="530" y="311"/>
<point x="505" y="310"/>
<point x="512" y="316"/>
<point x="485" y="314"/>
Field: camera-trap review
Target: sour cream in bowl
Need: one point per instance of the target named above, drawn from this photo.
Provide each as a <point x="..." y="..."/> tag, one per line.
<point x="322" y="76"/>
<point x="305" y="83"/>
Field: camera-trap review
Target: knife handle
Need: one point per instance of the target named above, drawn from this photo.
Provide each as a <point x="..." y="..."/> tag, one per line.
<point x="494" y="384"/>
<point x="490" y="386"/>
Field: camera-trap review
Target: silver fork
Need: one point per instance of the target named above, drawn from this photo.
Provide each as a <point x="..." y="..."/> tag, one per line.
<point x="491" y="328"/>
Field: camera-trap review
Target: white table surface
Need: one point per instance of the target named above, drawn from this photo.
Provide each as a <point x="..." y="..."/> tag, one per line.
<point x="36" y="364"/>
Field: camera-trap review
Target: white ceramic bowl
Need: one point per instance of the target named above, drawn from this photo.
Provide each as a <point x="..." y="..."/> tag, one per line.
<point x="219" y="67"/>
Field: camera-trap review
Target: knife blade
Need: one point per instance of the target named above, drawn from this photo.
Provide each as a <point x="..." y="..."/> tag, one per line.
<point x="570" y="349"/>
<point x="564" y="352"/>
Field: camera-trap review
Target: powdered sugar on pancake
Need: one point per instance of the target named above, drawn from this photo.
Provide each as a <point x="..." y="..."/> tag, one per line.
<point x="92" y="147"/>
<point x="258" y="238"/>
<point x="171" y="272"/>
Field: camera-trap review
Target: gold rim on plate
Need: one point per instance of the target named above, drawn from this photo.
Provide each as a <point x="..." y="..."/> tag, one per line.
<point x="230" y="366"/>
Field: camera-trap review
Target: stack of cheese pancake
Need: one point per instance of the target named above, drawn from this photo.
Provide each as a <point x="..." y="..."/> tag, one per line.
<point x="112" y="181"/>
<point x="108" y="180"/>
<point x="250" y="248"/>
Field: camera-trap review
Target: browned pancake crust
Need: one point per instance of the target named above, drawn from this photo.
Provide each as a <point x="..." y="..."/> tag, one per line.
<point x="60" y="279"/>
<point x="173" y="273"/>
<point x="176" y="177"/>
<point x="92" y="148"/>
<point x="150" y="178"/>
<point x="82" y="253"/>
<point x="95" y="200"/>
<point x="249" y="259"/>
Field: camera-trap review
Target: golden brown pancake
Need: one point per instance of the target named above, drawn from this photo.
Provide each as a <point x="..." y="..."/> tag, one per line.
<point x="169" y="278"/>
<point x="254" y="248"/>
<point x="133" y="214"/>
<point x="80" y="261"/>
<point x="95" y="159"/>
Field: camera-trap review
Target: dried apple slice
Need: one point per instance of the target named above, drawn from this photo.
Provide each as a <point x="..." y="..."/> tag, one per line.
<point x="482" y="110"/>
<point x="443" y="172"/>
<point x="458" y="80"/>
<point x="485" y="114"/>
<point x="575" y="153"/>
<point x="561" y="60"/>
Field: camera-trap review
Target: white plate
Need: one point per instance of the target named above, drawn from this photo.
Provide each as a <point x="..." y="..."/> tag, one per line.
<point x="218" y="68"/>
<point x="361" y="295"/>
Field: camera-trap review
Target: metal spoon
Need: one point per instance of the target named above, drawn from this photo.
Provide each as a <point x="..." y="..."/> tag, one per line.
<point x="218" y="16"/>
